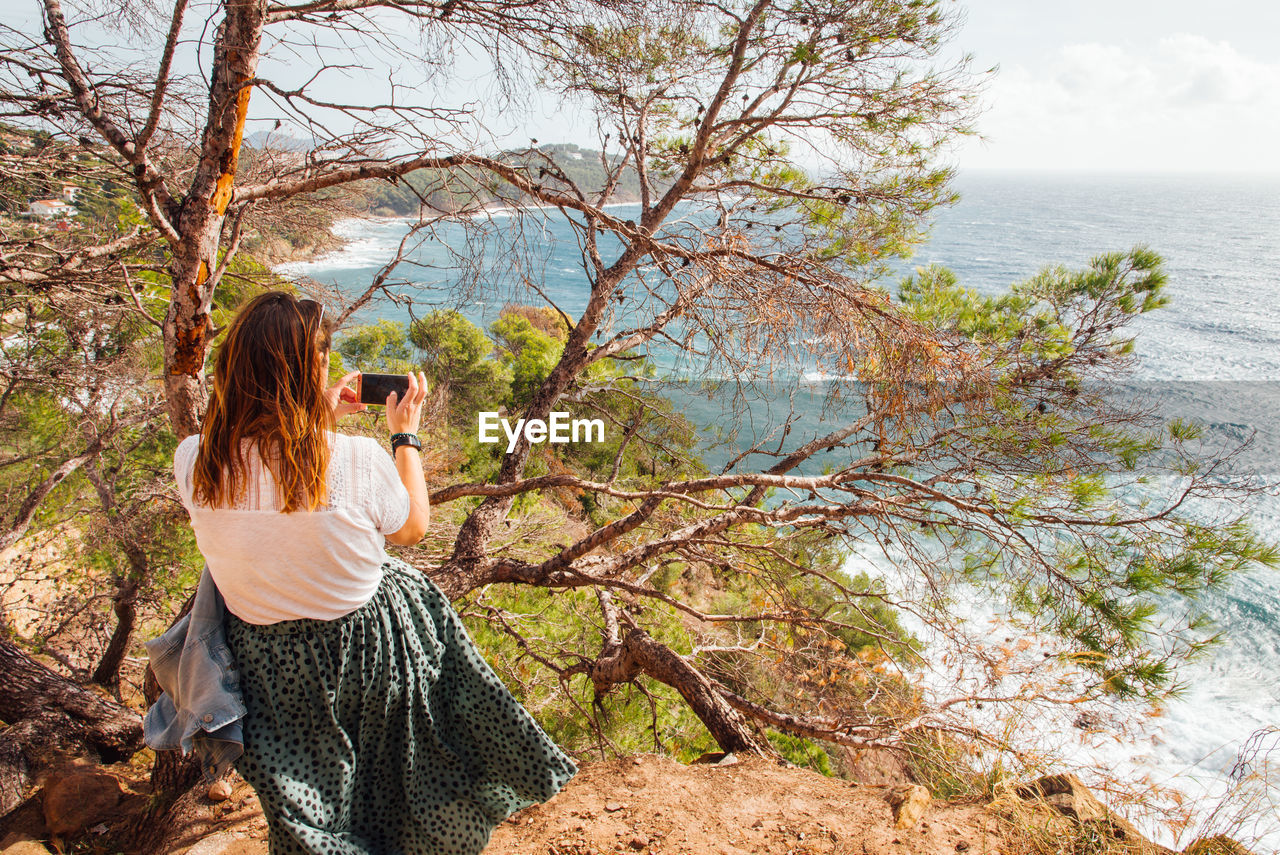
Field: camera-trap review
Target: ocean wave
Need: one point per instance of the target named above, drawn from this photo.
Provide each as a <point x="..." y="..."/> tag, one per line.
<point x="1218" y="327"/>
<point x="368" y="243"/>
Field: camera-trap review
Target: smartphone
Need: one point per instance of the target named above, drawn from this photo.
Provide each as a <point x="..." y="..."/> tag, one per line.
<point x="374" y="388"/>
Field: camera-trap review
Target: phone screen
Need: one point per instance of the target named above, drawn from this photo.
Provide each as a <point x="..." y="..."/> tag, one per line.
<point x="374" y="388"/>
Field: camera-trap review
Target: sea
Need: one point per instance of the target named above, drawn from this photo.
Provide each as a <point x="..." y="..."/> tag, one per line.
<point x="1213" y="354"/>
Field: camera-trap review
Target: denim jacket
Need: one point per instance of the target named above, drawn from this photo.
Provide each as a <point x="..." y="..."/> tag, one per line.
<point x="201" y="708"/>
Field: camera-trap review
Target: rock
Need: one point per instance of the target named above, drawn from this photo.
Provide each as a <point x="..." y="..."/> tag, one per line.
<point x="728" y="759"/>
<point x="638" y="841"/>
<point x="25" y="847"/>
<point x="18" y="843"/>
<point x="614" y="806"/>
<point x="908" y="804"/>
<point x="223" y="843"/>
<point x="80" y="799"/>
<point x="1219" y="844"/>
<point x="220" y="791"/>
<point x="1066" y="794"/>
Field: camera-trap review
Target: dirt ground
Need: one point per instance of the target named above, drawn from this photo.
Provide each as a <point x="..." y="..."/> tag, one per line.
<point x="652" y="804"/>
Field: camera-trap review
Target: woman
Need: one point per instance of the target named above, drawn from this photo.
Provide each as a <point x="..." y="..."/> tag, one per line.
<point x="372" y="724"/>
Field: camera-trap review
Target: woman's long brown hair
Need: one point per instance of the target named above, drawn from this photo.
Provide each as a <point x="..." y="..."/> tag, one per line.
<point x="268" y="389"/>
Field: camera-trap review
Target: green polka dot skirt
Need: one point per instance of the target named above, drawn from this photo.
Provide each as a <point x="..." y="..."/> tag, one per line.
<point x="385" y="731"/>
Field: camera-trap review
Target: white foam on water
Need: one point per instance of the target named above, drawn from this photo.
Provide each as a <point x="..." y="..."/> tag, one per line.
<point x="367" y="243"/>
<point x="1188" y="746"/>
<point x="820" y="376"/>
<point x="1223" y="261"/>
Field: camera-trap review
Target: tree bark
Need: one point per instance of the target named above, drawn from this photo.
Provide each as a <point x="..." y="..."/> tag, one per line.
<point x="128" y="586"/>
<point x="641" y="653"/>
<point x="195" y="273"/>
<point x="172" y="775"/>
<point x="124" y="605"/>
<point x="194" y="267"/>
<point x="27" y="510"/>
<point x="53" y="718"/>
<point x="16" y="775"/>
<point x="111" y="730"/>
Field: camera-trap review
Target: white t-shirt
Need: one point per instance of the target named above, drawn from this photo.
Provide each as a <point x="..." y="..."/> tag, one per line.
<point x="272" y="566"/>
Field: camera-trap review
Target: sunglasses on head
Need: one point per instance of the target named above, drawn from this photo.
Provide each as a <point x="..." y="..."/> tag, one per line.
<point x="317" y="306"/>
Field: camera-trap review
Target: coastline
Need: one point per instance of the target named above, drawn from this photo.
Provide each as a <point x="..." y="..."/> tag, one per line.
<point x="1195" y="739"/>
<point x="344" y="233"/>
<point x="485" y="209"/>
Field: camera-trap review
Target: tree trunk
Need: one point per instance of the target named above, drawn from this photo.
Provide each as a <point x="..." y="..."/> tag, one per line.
<point x="471" y="545"/>
<point x="195" y="274"/>
<point x="194" y="268"/>
<point x="124" y="604"/>
<point x="27" y="510"/>
<point x="109" y="729"/>
<point x="51" y="718"/>
<point x="641" y="653"/>
<point x="16" y="774"/>
<point x="171" y="774"/>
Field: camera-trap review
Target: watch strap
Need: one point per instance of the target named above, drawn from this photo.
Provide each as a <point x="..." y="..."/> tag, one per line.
<point x="409" y="439"/>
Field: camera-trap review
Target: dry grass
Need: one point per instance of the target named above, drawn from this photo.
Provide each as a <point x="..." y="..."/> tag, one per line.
<point x="1249" y="812"/>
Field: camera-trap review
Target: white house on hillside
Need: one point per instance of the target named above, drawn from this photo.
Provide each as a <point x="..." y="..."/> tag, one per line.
<point x="70" y="193"/>
<point x="50" y="209"/>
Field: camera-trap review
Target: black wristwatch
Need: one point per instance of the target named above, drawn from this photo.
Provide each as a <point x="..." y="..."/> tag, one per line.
<point x="409" y="439"/>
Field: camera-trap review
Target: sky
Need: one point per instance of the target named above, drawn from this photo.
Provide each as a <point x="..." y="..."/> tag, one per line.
<point x="1108" y="85"/>
<point x="1127" y="85"/>
<point x="1080" y="85"/>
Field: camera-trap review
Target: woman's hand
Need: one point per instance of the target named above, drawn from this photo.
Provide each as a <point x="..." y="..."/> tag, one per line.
<point x="405" y="416"/>
<point x="342" y="399"/>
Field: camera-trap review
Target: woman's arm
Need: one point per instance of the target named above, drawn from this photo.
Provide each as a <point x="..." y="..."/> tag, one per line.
<point x="409" y="467"/>
<point x="405" y="417"/>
